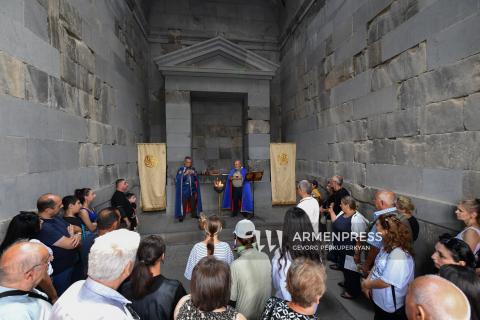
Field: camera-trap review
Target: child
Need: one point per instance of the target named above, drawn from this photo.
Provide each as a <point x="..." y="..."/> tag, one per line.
<point x="132" y="198"/>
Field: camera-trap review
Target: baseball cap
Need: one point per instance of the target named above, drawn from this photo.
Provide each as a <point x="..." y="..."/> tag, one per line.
<point x="244" y="229"/>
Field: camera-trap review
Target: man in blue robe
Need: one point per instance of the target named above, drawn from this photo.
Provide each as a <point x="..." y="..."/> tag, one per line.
<point x="187" y="196"/>
<point x="238" y="194"/>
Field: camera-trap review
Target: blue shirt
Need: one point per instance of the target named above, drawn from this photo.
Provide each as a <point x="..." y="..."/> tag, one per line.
<point x="52" y="231"/>
<point x="23" y="307"/>
<point x="372" y="239"/>
<point x="89" y="299"/>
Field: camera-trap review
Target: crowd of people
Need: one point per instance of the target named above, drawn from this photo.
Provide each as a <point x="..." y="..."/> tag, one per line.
<point x="77" y="263"/>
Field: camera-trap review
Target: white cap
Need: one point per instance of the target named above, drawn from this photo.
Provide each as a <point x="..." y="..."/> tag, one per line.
<point x="244" y="229"/>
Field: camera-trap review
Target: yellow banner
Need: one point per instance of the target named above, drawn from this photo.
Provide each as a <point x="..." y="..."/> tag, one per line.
<point x="152" y="167"/>
<point x="282" y="166"/>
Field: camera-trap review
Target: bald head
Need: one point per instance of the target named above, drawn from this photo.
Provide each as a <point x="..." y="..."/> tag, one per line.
<point x="385" y="199"/>
<point x="23" y="265"/>
<point x="434" y="298"/>
<point x="49" y="204"/>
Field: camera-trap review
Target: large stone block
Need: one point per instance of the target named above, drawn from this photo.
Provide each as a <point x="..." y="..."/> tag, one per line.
<point x="445" y="116"/>
<point x="442" y="185"/>
<point x="178" y="139"/>
<point x="341" y="152"/>
<point x="362" y="151"/>
<point x="334" y="115"/>
<point x="447" y="46"/>
<point x="406" y="65"/>
<point x="258" y="113"/>
<point x="452" y="81"/>
<point x="107" y="175"/>
<point x="453" y="150"/>
<point x="352" y="131"/>
<point x="393" y="125"/>
<point x="258" y="140"/>
<point x="471" y="112"/>
<point x="62" y="96"/>
<point x="410" y="151"/>
<point x="259" y="153"/>
<point x="73" y="128"/>
<point x="48" y="155"/>
<point x="36" y="85"/>
<point x="352" y="88"/>
<point x="35" y="16"/>
<point x="89" y="155"/>
<point x="378" y="102"/>
<point x="86" y="58"/>
<point x="437" y="16"/>
<point x="70" y="18"/>
<point x="179" y="126"/>
<point x="68" y="70"/>
<point x="471" y="184"/>
<point x="401" y="179"/>
<point x="382" y="151"/>
<point x="257" y="126"/>
<point x="12" y="156"/>
<point x="12" y="76"/>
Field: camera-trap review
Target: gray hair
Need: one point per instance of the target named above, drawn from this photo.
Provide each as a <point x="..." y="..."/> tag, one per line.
<point x="111" y="253"/>
<point x="27" y="255"/>
<point x="350" y="202"/>
<point x="338" y="179"/>
<point x="305" y="186"/>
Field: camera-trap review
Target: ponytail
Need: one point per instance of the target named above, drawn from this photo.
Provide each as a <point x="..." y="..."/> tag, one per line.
<point x="141" y="279"/>
<point x="151" y="249"/>
<point x="212" y="227"/>
<point x="210" y="245"/>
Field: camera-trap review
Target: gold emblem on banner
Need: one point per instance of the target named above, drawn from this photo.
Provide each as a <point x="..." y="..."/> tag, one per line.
<point x="282" y="159"/>
<point x="150" y="161"/>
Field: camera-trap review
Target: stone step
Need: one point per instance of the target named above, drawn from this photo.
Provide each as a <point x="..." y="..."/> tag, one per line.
<point x="188" y="232"/>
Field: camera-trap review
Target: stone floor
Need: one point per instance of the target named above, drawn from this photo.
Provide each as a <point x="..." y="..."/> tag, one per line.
<point x="180" y="238"/>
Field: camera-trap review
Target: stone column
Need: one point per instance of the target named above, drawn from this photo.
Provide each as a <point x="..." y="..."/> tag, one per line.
<point x="257" y="140"/>
<point x="179" y="132"/>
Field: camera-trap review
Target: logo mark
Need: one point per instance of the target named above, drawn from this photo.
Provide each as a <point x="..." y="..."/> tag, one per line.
<point x="150" y="161"/>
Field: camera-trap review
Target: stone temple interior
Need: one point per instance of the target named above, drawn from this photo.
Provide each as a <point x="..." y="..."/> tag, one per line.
<point x="385" y="93"/>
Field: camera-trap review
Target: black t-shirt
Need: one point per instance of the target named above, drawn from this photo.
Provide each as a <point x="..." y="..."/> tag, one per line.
<point x="120" y="201"/>
<point x="336" y="198"/>
<point x="160" y="302"/>
<point x="414" y="226"/>
<point x="52" y="231"/>
<point x="76" y="221"/>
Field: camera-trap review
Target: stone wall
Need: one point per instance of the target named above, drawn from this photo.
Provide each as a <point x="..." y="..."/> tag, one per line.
<point x="386" y="93"/>
<point x="217" y="132"/>
<point x="72" y="97"/>
<point x="174" y="24"/>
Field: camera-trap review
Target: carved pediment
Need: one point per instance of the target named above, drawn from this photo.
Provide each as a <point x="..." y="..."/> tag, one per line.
<point x="216" y="57"/>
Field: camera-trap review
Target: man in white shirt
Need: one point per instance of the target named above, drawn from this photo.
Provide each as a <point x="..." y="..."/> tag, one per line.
<point x="308" y="203"/>
<point x="110" y="262"/>
<point x="22" y="266"/>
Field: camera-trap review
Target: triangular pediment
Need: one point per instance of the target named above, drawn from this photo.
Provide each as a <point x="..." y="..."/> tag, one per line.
<point x="216" y="56"/>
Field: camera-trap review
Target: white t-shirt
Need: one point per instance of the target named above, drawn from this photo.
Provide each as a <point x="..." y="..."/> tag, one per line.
<point x="312" y="209"/>
<point x="222" y="252"/>
<point x="279" y="276"/>
<point x="397" y="269"/>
